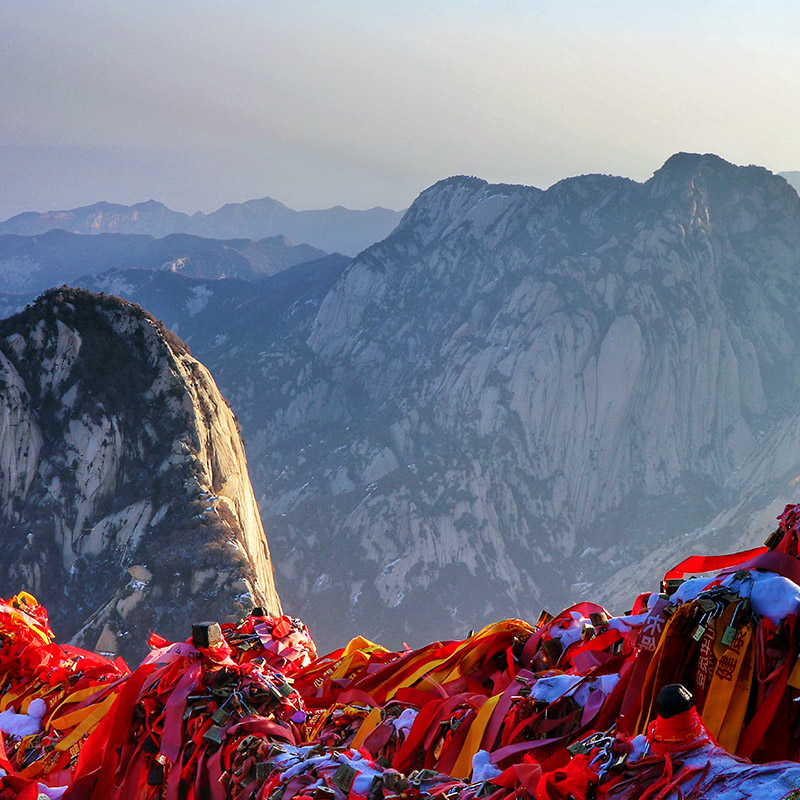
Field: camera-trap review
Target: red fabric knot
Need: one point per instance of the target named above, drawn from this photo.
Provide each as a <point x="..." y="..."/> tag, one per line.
<point x="682" y="728"/>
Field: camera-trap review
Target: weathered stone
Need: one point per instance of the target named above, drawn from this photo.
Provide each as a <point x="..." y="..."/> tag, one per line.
<point x="567" y="380"/>
<point x="140" y="573"/>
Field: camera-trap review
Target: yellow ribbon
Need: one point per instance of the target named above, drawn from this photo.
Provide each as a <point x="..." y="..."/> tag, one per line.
<point x="463" y="766"/>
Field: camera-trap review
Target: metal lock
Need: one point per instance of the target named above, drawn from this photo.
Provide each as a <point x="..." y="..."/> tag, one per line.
<point x="395" y="782"/>
<point x="155" y="777"/>
<point x="206" y="634"/>
<point x="375" y="789"/>
<point x="544" y="618"/>
<point x="343" y="778"/>
<point x="214" y="734"/>
<point x="700" y="630"/>
<point x="729" y="635"/>
<point x="578" y="749"/>
<point x="708" y="604"/>
<point x="552" y="649"/>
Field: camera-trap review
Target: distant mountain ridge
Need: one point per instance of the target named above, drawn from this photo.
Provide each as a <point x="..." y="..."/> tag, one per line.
<point x="336" y="229"/>
<point x="36" y="263"/>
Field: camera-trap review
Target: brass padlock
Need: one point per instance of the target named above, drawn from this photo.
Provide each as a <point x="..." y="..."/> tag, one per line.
<point x="214" y="734"/>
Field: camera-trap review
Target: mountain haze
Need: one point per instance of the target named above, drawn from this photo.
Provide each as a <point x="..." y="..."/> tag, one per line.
<point x="36" y="263"/>
<point x="518" y="397"/>
<point x="151" y="218"/>
<point x="336" y="229"/>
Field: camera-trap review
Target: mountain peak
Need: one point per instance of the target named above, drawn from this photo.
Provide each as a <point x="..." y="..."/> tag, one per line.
<point x="706" y="188"/>
<point x="84" y="303"/>
<point x="279" y="240"/>
<point x="682" y="168"/>
<point x="459" y="181"/>
<point x="151" y="205"/>
<point x="122" y="454"/>
<point x="691" y="161"/>
<point x="458" y="199"/>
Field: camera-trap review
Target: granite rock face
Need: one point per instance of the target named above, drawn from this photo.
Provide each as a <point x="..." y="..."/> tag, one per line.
<point x="125" y="500"/>
<point x="538" y="388"/>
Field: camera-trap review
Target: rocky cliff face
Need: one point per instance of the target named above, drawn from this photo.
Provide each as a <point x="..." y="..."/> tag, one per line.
<point x="125" y="501"/>
<point x="540" y="387"/>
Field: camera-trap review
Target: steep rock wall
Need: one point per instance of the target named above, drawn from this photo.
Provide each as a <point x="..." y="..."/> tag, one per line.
<point x="125" y="500"/>
<point x="537" y="381"/>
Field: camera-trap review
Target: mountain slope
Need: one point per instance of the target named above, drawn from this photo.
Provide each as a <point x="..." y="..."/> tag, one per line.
<point x="124" y="494"/>
<point x="540" y="386"/>
<point x="515" y="395"/>
<point x="793" y="179"/>
<point x="251" y="333"/>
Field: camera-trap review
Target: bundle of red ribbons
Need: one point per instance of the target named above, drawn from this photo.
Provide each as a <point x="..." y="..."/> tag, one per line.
<point x="569" y="707"/>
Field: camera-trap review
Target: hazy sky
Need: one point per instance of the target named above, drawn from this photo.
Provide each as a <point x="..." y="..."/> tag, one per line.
<point x="314" y="102"/>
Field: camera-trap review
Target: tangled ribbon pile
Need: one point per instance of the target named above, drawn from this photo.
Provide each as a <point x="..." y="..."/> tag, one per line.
<point x="565" y="708"/>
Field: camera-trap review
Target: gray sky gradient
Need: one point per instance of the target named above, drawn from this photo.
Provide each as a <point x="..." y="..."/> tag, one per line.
<point x="314" y="102"/>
